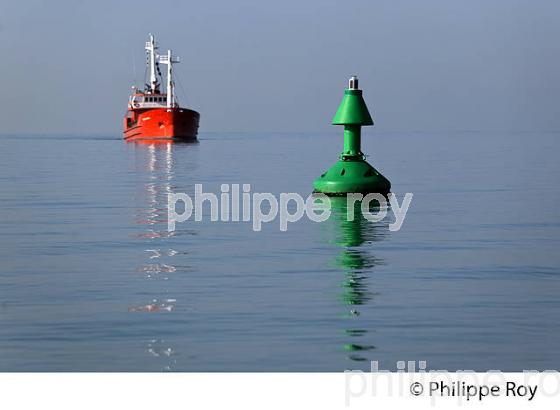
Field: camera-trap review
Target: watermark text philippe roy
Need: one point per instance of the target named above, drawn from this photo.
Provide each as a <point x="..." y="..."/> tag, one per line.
<point x="237" y="203"/>
<point x="460" y="386"/>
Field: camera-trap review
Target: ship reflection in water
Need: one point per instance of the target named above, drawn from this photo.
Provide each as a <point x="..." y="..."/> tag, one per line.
<point x="356" y="240"/>
<point x="155" y="164"/>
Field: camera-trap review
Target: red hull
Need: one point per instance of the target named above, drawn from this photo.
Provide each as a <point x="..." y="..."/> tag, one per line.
<point x="167" y="124"/>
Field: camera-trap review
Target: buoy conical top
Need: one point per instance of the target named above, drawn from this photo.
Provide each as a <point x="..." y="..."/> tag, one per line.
<point x="352" y="109"/>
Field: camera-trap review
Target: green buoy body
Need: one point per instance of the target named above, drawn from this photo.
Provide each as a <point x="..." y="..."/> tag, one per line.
<point x="352" y="173"/>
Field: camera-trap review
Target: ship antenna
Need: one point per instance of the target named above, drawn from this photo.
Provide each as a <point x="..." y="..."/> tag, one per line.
<point x="170" y="93"/>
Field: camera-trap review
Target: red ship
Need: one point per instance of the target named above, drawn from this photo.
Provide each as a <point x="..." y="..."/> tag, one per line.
<point x="156" y="116"/>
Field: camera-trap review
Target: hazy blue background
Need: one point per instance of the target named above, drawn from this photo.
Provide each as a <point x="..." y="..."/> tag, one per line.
<point x="66" y="66"/>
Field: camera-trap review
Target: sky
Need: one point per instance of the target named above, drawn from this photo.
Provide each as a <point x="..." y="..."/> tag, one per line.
<point x="259" y="66"/>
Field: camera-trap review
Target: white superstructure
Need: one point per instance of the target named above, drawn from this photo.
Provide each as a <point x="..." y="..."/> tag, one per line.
<point x="152" y="97"/>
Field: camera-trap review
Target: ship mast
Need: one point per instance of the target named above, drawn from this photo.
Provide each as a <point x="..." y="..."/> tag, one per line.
<point x="169" y="60"/>
<point x="151" y="48"/>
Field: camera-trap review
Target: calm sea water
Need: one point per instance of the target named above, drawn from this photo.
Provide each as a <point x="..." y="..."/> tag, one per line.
<point x="91" y="280"/>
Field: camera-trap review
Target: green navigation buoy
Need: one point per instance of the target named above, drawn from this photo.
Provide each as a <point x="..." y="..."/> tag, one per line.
<point x="352" y="173"/>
